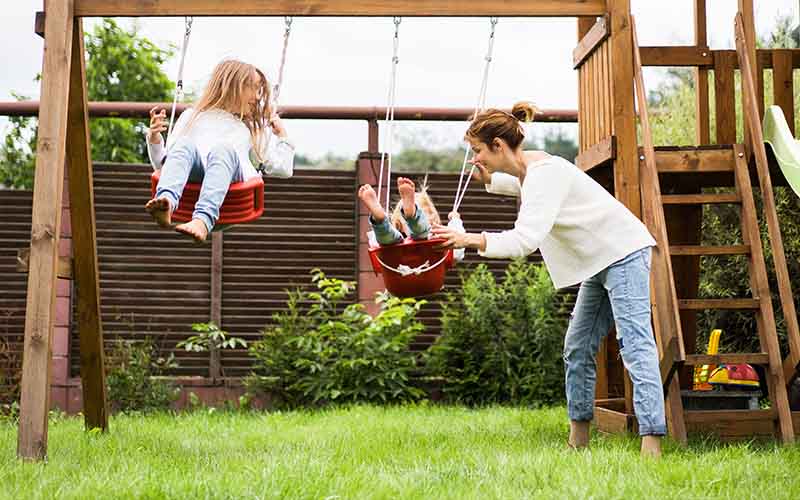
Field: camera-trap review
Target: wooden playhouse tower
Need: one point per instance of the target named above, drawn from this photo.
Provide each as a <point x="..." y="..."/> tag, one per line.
<point x="607" y="60"/>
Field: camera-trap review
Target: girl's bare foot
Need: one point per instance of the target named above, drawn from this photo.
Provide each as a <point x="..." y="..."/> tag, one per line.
<point x="195" y="228"/>
<point x="406" y="188"/>
<point x="367" y="196"/>
<point x="160" y="211"/>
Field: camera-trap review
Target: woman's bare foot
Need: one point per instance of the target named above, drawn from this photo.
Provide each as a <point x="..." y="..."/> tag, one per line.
<point x="578" y="434"/>
<point x="406" y="188"/>
<point x="368" y="197"/>
<point x="159" y="210"/>
<point x="651" y="447"/>
<point x="195" y="228"/>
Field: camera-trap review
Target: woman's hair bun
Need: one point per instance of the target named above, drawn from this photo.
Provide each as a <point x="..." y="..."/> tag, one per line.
<point x="524" y="111"/>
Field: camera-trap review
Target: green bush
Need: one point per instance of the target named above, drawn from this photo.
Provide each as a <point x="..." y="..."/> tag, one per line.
<point x="133" y="377"/>
<point x="330" y="353"/>
<point x="502" y="342"/>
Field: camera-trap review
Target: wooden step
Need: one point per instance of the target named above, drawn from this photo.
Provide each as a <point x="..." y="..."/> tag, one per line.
<point x="709" y="250"/>
<point x="714" y="416"/>
<point x="694" y="160"/>
<point x="699" y="304"/>
<point x="700" y="199"/>
<point x="753" y="358"/>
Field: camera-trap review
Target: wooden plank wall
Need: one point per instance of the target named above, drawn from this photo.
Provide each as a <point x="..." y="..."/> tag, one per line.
<point x="596" y="103"/>
<point x="154" y="284"/>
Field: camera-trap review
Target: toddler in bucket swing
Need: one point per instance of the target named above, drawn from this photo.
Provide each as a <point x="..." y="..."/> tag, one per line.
<point x="224" y="138"/>
<point x="412" y="216"/>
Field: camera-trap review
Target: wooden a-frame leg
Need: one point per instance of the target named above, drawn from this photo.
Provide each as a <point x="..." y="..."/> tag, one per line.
<point x="45" y="230"/>
<point x="82" y="215"/>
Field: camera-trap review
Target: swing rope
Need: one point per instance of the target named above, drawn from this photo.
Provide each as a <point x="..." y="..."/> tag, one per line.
<point x="391" y="99"/>
<point x="404" y="270"/>
<point x="479" y="106"/>
<point x="276" y="89"/>
<point x="187" y="32"/>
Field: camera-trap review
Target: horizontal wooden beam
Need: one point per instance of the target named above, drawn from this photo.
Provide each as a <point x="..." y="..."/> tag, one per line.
<point x="64" y="269"/>
<point x="709" y="250"/>
<point x="676" y="56"/>
<point x="597" y="35"/>
<point x="700" y="304"/>
<point x="700" y="199"/>
<point x="597" y="155"/>
<point x="694" y="160"/>
<point x="690" y="56"/>
<point x="361" y="8"/>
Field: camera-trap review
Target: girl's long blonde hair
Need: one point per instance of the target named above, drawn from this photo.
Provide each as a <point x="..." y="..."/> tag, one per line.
<point x="225" y="91"/>
<point x="425" y="204"/>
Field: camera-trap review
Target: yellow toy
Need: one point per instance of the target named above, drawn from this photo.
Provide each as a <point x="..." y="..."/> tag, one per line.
<point x="701" y="372"/>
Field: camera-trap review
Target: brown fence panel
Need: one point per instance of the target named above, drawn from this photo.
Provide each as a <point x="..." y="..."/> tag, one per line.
<point x="15" y="233"/>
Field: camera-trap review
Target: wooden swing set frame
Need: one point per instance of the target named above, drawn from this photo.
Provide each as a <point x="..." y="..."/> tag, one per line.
<point x="606" y="137"/>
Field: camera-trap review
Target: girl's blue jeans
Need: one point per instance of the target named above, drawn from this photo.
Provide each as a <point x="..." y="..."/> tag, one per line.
<point x="184" y="164"/>
<point x="619" y="294"/>
<point x="387" y="234"/>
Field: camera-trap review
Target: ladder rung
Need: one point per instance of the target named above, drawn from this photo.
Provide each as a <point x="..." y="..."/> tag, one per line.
<point x="713" y="416"/>
<point x="754" y="358"/>
<point x="719" y="303"/>
<point x="700" y="199"/>
<point x="709" y="250"/>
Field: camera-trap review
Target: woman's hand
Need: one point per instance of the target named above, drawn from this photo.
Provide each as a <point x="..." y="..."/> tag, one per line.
<point x="276" y="124"/>
<point x="480" y="173"/>
<point x="457" y="239"/>
<point x="158" y="124"/>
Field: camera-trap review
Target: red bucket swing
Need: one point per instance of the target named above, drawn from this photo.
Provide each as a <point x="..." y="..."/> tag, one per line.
<point x="414" y="268"/>
<point x="244" y="201"/>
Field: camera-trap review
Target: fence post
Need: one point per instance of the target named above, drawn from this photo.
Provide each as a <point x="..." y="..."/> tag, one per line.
<point x="368" y="282"/>
<point x="214" y="367"/>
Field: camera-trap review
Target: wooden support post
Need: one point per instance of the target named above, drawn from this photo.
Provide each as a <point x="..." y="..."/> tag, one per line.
<point x="373" y="136"/>
<point x="724" y="96"/>
<point x="215" y="364"/>
<point x="84" y="239"/>
<point x="702" y="133"/>
<point x="748" y="23"/>
<point x="626" y="166"/>
<point x="45" y="230"/>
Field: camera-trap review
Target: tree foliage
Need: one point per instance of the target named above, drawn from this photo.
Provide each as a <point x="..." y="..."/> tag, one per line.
<point x="122" y="65"/>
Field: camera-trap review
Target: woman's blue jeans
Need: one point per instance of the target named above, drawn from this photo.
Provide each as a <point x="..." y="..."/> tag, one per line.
<point x="184" y="164"/>
<point x="619" y="294"/>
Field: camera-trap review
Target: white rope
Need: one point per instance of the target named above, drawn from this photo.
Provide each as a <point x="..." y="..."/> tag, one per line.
<point x="391" y="99"/>
<point x="480" y="105"/>
<point x="404" y="270"/>
<point x="276" y="89"/>
<point x="187" y="32"/>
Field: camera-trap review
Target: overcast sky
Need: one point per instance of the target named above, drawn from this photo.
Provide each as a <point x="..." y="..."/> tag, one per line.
<point x="346" y="61"/>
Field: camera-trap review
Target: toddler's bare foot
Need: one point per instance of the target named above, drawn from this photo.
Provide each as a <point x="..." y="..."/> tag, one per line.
<point x="578" y="434"/>
<point x="159" y="210"/>
<point x="367" y="196"/>
<point x="195" y="228"/>
<point x="406" y="188"/>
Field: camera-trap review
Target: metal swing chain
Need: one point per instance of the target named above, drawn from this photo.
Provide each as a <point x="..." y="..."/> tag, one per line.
<point x="187" y="23"/>
<point x="479" y="106"/>
<point x="391" y="99"/>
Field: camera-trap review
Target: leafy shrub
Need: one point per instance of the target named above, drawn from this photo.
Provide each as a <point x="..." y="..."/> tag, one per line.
<point x="330" y="353"/>
<point x="502" y="342"/>
<point x="133" y="377"/>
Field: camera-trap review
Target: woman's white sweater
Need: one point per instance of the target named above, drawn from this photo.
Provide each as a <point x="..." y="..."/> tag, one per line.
<point x="578" y="226"/>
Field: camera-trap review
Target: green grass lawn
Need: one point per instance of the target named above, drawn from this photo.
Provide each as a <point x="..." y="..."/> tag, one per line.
<point x="372" y="452"/>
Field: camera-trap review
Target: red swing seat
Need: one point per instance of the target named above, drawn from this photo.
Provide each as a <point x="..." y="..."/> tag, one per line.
<point x="243" y="203"/>
<point x="413" y="254"/>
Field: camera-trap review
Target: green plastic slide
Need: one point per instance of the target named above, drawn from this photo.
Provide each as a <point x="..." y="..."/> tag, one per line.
<point x="784" y="145"/>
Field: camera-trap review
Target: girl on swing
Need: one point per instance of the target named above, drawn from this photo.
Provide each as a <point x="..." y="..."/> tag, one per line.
<point x="412" y="216"/>
<point x="586" y="236"/>
<point x="222" y="139"/>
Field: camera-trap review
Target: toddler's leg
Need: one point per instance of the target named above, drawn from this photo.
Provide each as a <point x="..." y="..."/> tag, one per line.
<point x="183" y="160"/>
<point x="417" y="221"/>
<point x="221" y="169"/>
<point x="385" y="232"/>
